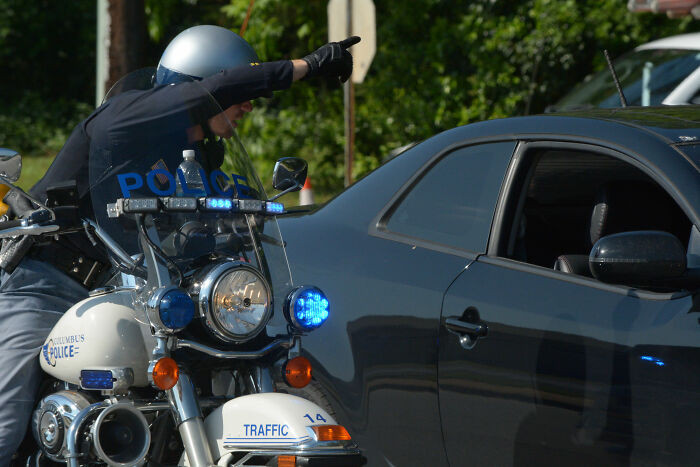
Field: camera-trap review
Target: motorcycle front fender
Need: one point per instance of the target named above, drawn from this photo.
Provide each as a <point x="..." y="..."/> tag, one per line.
<point x="269" y="422"/>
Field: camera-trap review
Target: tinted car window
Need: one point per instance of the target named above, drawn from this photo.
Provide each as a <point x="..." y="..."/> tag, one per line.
<point x="647" y="77"/>
<point x="574" y="198"/>
<point x="453" y="203"/>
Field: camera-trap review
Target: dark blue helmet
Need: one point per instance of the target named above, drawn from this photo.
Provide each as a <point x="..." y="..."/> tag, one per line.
<point x="202" y="51"/>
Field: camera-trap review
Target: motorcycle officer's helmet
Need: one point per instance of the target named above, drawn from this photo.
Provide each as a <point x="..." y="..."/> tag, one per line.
<point x="202" y="51"/>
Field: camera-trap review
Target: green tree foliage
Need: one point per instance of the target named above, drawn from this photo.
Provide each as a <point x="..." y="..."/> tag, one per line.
<point x="167" y="18"/>
<point x="47" y="47"/>
<point x="439" y="64"/>
<point x="47" y="71"/>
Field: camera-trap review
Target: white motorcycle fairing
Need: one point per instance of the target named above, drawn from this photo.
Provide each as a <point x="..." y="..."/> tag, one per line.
<point x="101" y="332"/>
<point x="266" y="422"/>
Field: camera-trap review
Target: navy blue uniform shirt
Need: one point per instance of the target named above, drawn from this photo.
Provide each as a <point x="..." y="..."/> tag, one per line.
<point x="133" y="123"/>
<point x="133" y="110"/>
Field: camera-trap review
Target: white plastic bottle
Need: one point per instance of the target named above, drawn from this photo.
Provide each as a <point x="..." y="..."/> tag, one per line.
<point x="190" y="169"/>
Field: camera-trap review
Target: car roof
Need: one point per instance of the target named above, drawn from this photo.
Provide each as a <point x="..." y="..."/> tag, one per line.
<point x="654" y="136"/>
<point x="676" y="124"/>
<point x="667" y="125"/>
<point x="650" y="135"/>
<point x="653" y="133"/>
<point x="689" y="41"/>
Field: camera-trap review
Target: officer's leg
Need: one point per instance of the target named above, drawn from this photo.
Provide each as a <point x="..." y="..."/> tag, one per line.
<point x="32" y="299"/>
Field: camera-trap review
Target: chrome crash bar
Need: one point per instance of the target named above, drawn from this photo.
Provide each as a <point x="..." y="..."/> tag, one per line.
<point x="232" y="354"/>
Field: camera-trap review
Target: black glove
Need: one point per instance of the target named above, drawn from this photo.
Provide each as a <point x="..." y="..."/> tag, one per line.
<point x="19" y="204"/>
<point x="332" y="59"/>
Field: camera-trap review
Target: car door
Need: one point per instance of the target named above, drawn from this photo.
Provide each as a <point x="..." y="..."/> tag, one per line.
<point x="538" y="366"/>
<point x="439" y="220"/>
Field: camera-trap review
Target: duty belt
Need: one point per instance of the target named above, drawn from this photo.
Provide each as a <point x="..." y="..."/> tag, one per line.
<point x="75" y="264"/>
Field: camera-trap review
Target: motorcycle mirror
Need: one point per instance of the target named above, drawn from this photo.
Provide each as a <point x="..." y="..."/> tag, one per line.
<point x="289" y="174"/>
<point x="10" y="170"/>
<point x="10" y="164"/>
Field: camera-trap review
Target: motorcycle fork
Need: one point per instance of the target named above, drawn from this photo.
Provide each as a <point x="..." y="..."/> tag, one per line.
<point x="188" y="414"/>
<point x="260" y="380"/>
<point x="190" y="423"/>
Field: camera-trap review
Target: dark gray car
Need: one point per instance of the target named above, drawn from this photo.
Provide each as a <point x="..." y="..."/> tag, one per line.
<point x="516" y="291"/>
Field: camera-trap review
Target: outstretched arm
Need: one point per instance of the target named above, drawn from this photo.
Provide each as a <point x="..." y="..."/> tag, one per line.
<point x="247" y="82"/>
<point x="300" y="69"/>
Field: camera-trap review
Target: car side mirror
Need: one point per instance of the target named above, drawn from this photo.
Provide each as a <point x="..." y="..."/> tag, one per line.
<point x="639" y="258"/>
<point x="289" y="174"/>
<point x="10" y="164"/>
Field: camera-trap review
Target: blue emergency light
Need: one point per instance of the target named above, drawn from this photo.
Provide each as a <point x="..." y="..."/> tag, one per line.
<point x="176" y="309"/>
<point x="218" y="204"/>
<point x="274" y="208"/>
<point x="96" y="379"/>
<point x="308" y="308"/>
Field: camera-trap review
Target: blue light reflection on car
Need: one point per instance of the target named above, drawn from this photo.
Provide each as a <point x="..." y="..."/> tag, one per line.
<point x="654" y="360"/>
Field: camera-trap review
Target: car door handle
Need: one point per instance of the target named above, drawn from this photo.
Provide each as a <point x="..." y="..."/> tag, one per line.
<point x="467" y="332"/>
<point x="459" y="326"/>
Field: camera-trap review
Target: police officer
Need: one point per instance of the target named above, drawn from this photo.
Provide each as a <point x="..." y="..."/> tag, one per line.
<point x="51" y="278"/>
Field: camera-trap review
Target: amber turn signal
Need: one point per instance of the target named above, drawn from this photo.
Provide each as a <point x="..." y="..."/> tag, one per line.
<point x="165" y="373"/>
<point x="297" y="372"/>
<point x="287" y="461"/>
<point x="3" y="207"/>
<point x="331" y="433"/>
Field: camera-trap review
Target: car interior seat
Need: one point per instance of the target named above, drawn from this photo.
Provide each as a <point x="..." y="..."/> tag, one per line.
<point x="625" y="206"/>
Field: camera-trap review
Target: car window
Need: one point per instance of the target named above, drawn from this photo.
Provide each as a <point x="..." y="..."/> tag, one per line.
<point x="453" y="203"/>
<point x="646" y="77"/>
<point x="569" y="199"/>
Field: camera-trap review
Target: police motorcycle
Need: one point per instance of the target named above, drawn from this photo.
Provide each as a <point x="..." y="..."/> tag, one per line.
<point x="174" y="358"/>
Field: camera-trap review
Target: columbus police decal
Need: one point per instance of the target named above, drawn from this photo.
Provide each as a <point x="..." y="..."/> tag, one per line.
<point x="62" y="347"/>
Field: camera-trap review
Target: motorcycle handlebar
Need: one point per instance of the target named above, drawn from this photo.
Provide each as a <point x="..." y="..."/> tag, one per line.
<point x="10" y="224"/>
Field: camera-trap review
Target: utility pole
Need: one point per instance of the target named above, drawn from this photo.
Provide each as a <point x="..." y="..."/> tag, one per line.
<point x="102" y="68"/>
<point x="353" y="18"/>
<point x="349" y="100"/>
<point x="127" y="38"/>
<point x="121" y="42"/>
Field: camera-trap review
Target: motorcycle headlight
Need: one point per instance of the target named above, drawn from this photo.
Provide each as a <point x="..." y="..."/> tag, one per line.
<point x="235" y="301"/>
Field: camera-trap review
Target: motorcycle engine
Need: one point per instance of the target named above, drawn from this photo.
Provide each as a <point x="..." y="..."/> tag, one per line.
<point x="52" y="418"/>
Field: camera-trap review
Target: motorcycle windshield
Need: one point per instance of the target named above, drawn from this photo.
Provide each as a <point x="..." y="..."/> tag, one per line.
<point x="195" y="212"/>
